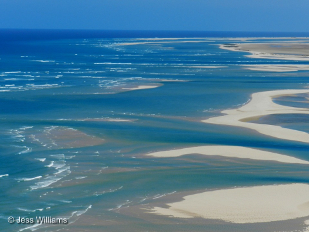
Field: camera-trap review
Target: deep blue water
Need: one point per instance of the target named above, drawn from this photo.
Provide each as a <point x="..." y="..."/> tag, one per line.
<point x="60" y="156"/>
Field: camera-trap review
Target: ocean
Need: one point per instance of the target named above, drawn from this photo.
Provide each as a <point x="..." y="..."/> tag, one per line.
<point x="75" y="131"/>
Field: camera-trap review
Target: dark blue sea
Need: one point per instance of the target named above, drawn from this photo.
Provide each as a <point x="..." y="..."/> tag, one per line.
<point x="75" y="131"/>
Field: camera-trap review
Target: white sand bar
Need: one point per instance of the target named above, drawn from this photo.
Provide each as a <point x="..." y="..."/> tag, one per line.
<point x="142" y="87"/>
<point x="244" y="205"/>
<point x="261" y="104"/>
<point x="231" y="152"/>
<point x="281" y="51"/>
<point x="276" y="67"/>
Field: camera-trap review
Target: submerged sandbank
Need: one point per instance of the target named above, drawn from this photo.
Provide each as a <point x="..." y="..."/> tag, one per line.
<point x="261" y="104"/>
<point x="231" y="152"/>
<point x="107" y="120"/>
<point x="58" y="137"/>
<point x="205" y="66"/>
<point x="244" y="205"/>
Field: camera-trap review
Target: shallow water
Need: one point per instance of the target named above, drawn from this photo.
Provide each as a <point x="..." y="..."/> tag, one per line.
<point x="59" y="160"/>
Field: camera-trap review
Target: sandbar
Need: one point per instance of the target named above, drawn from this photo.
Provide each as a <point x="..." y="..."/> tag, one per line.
<point x="231" y="152"/>
<point x="160" y="42"/>
<point x="142" y="87"/>
<point x="262" y="104"/>
<point x="276" y="67"/>
<point x="281" y="51"/>
<point x="244" y="205"/>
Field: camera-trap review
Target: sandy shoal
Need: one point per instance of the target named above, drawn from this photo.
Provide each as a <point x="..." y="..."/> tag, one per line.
<point x="142" y="87"/>
<point x="244" y="205"/>
<point x="276" y="67"/>
<point x="261" y="104"/>
<point x="282" y="51"/>
<point x="231" y="152"/>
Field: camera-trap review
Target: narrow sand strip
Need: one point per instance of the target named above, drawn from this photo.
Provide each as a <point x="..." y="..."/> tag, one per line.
<point x="276" y="67"/>
<point x="244" y="205"/>
<point x="261" y="104"/>
<point x="142" y="87"/>
<point x="232" y="152"/>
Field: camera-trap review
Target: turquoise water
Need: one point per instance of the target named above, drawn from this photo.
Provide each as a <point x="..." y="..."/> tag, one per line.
<point x="62" y="157"/>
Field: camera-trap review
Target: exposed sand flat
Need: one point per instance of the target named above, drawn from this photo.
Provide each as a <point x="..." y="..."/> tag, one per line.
<point x="232" y="152"/>
<point x="261" y="104"/>
<point x="276" y="67"/>
<point x="268" y="38"/>
<point x="142" y="87"/>
<point x="244" y="205"/>
<point x="278" y="56"/>
<point x="282" y="51"/>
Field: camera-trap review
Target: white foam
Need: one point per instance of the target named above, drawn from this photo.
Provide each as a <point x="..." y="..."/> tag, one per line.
<point x="63" y="170"/>
<point x="45" y="61"/>
<point x="29" y="179"/>
<point x="50" y="165"/>
<point x="81" y="212"/>
<point x="58" y="156"/>
<point x="162" y="195"/>
<point x="25" y="127"/>
<point x="32" y="228"/>
<point x="107" y="191"/>
<point x="58" y="164"/>
<point x="13" y="72"/>
<point x="76" y="214"/>
<point x="70" y="157"/>
<point x="47" y="182"/>
<point x="29" y="210"/>
<point x="41" y="159"/>
<point x="4" y="175"/>
<point x="65" y="201"/>
<point x="27" y="150"/>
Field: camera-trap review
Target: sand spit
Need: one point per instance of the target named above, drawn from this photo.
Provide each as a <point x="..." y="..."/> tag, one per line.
<point x="142" y="87"/>
<point x="231" y="152"/>
<point x="281" y="51"/>
<point x="276" y="67"/>
<point x="244" y="205"/>
<point x="261" y="104"/>
<point x="107" y="120"/>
